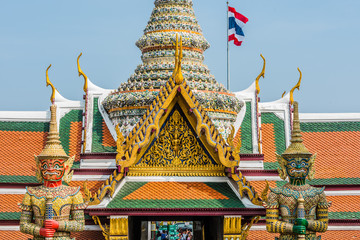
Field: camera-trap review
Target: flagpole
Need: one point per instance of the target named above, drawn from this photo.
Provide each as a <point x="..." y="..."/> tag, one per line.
<point x="227" y="48"/>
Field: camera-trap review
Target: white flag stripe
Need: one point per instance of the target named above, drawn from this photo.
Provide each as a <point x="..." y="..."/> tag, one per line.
<point x="238" y="22"/>
<point x="239" y="37"/>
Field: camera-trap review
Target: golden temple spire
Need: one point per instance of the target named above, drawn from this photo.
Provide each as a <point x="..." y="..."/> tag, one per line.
<point x="81" y="73"/>
<point x="53" y="148"/>
<point x="52" y="98"/>
<point x="296" y="147"/>
<point x="297" y="86"/>
<point x="262" y="74"/>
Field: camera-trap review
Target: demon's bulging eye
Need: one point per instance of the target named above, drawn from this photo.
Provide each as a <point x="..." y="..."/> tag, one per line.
<point x="293" y="164"/>
<point x="303" y="164"/>
<point x="44" y="166"/>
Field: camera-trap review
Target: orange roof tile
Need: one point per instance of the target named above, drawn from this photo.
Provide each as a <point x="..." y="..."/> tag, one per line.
<point x="107" y="139"/>
<point x="344" y="203"/>
<point x="237" y="136"/>
<point x="260" y="185"/>
<point x="336" y="152"/>
<point x="9" y="202"/>
<point x="88" y="235"/>
<point x="263" y="235"/>
<point x="12" y="235"/>
<point x="18" y="149"/>
<point x="175" y="190"/>
<point x="328" y="235"/>
<point x="75" y="140"/>
<point x="93" y="186"/>
<point x="85" y="235"/>
<point x="268" y="142"/>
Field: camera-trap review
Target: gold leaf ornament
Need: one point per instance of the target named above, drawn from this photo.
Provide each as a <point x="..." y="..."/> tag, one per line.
<point x="282" y="169"/>
<point x="68" y="172"/>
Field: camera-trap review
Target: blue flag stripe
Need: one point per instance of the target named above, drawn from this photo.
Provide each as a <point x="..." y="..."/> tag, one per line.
<point x="232" y="24"/>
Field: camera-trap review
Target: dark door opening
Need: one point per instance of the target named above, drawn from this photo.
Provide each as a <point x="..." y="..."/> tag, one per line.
<point x="209" y="227"/>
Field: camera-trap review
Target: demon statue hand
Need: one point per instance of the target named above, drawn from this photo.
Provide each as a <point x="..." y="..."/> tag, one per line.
<point x="57" y="209"/>
<point x="296" y="210"/>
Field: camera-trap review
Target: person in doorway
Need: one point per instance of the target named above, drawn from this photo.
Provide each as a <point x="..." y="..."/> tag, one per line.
<point x="164" y="236"/>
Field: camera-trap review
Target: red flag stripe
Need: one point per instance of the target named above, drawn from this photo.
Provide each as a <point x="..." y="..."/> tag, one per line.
<point x="236" y="41"/>
<point x="238" y="15"/>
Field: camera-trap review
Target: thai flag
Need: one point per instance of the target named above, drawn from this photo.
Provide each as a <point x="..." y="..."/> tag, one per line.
<point x="236" y="23"/>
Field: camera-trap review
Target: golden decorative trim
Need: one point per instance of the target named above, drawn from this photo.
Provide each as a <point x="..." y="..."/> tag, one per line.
<point x="297" y="86"/>
<point x="48" y="82"/>
<point x="119" y="228"/>
<point x="246" y="227"/>
<point x="283" y="94"/>
<point x="105" y="230"/>
<point x="140" y="90"/>
<point x="147" y="49"/>
<point x="81" y="73"/>
<point x="188" y="31"/>
<point x="262" y="74"/>
<point x="87" y="192"/>
<point x="177" y="74"/>
<point x="232" y="225"/>
<point x="245" y="187"/>
<point x="209" y="91"/>
<point x="218" y="110"/>
<point x="128" y="108"/>
<point x="107" y="187"/>
<point x="264" y="194"/>
<point x="177" y="171"/>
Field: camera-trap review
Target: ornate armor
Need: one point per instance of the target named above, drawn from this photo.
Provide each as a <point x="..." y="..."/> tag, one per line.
<point x="57" y="209"/>
<point x="284" y="204"/>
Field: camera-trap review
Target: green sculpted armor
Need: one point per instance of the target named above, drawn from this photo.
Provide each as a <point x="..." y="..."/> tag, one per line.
<point x="296" y="210"/>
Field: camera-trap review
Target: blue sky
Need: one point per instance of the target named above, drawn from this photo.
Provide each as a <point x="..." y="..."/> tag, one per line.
<point x="321" y="37"/>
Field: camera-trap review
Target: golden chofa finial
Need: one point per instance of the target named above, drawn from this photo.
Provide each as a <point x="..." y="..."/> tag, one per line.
<point x="81" y="73"/>
<point x="262" y="74"/>
<point x="283" y="94"/>
<point x="177" y="74"/>
<point x="52" y="98"/>
<point x="297" y="86"/>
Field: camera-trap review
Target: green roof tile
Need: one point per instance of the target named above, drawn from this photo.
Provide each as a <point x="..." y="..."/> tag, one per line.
<point x="129" y="187"/>
<point x="25" y="126"/>
<point x="344" y="215"/>
<point x="17" y="179"/>
<point x="330" y="126"/>
<point x="271" y="165"/>
<point x="10" y="215"/>
<point x="279" y="130"/>
<point x="97" y="135"/>
<point x="65" y="123"/>
<point x="327" y="181"/>
<point x="246" y="131"/>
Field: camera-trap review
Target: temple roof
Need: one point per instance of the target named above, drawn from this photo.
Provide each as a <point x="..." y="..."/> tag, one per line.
<point x="174" y="194"/>
<point x="127" y="104"/>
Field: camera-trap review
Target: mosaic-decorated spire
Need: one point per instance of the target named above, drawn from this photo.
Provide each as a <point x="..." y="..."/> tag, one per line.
<point x="53" y="147"/>
<point x="127" y="104"/>
<point x="296" y="147"/>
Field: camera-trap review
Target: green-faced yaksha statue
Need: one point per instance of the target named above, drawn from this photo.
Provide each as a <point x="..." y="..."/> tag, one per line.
<point x="296" y="210"/>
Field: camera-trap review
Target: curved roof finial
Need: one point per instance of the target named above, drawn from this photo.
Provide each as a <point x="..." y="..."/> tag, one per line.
<point x="81" y="73"/>
<point x="262" y="74"/>
<point x="177" y="74"/>
<point x="283" y="94"/>
<point x="297" y="86"/>
<point x="52" y="98"/>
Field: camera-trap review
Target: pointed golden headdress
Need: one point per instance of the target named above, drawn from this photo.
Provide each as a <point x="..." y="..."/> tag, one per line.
<point x="296" y="147"/>
<point x="53" y="148"/>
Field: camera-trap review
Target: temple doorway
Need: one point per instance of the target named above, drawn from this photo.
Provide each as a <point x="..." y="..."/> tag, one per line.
<point x="199" y="228"/>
